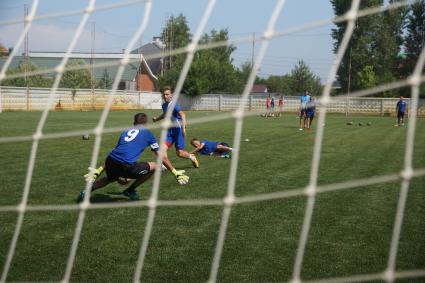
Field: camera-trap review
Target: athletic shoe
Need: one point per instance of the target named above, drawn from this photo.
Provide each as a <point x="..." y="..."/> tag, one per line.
<point x="80" y="197"/>
<point x="195" y="162"/>
<point x="133" y="195"/>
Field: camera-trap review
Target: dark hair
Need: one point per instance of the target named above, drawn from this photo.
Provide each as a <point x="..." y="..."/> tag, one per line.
<point x="194" y="139"/>
<point x="166" y="88"/>
<point x="140" y="119"/>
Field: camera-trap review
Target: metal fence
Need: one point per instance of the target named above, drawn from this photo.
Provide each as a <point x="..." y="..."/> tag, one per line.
<point x="30" y="99"/>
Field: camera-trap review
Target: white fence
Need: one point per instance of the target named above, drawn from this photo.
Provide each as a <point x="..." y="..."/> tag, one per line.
<point x="28" y="99"/>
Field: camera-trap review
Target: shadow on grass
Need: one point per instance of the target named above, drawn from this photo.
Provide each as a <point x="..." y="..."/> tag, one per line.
<point x="97" y="198"/>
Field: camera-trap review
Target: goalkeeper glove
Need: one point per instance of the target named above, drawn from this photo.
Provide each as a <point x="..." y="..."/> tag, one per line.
<point x="180" y="176"/>
<point x="93" y="173"/>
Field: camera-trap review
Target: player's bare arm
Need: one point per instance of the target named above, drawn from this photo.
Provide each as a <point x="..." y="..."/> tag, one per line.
<point x="160" y="117"/>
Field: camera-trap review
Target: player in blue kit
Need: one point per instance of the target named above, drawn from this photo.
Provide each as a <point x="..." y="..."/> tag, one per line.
<point x="176" y="134"/>
<point x="122" y="161"/>
<point x="311" y="109"/>
<point x="401" y="110"/>
<point x="304" y="100"/>
<point x="207" y="147"/>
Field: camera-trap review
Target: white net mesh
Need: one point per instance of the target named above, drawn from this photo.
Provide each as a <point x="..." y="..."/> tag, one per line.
<point x="230" y="200"/>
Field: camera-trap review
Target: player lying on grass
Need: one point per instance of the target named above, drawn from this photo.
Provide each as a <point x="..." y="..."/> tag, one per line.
<point x="207" y="147"/>
<point x="177" y="133"/>
<point x="122" y="164"/>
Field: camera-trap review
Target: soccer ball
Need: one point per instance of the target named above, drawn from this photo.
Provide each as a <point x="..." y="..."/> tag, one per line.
<point x="360" y="124"/>
<point x="123" y="181"/>
<point x="369" y="123"/>
<point x="86" y="137"/>
<point x="350" y="123"/>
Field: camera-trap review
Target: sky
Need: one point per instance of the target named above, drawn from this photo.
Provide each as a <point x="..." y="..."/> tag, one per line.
<point x="242" y="18"/>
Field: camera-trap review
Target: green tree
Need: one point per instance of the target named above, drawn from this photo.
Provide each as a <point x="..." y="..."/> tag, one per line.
<point x="75" y="79"/>
<point x="105" y="82"/>
<point x="282" y="84"/>
<point x="367" y="77"/>
<point x="415" y="36"/>
<point x="29" y="81"/>
<point x="303" y="78"/>
<point x="241" y="77"/>
<point x="375" y="42"/>
<point x="212" y="70"/>
<point x="388" y="43"/>
<point x="175" y="34"/>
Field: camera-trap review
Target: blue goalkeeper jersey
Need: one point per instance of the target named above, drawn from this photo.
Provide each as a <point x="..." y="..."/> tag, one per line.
<point x="132" y="143"/>
<point x="175" y="116"/>
<point x="209" y="147"/>
<point x="401" y="106"/>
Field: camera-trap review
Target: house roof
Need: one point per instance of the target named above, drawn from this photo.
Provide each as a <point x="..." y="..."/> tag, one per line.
<point x="151" y="49"/>
<point x="257" y="88"/>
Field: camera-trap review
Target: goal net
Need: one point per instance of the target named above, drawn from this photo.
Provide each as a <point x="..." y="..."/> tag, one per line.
<point x="231" y="200"/>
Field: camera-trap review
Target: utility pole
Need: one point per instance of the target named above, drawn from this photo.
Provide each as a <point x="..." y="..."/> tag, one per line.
<point x="253" y="49"/>
<point x="93" y="38"/>
<point x="349" y="82"/>
<point x="26" y="44"/>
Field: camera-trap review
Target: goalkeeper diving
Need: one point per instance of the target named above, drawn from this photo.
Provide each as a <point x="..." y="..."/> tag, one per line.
<point x="122" y="162"/>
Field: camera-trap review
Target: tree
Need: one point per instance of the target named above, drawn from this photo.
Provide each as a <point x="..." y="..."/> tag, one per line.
<point x="374" y="41"/>
<point x="415" y="36"/>
<point x="367" y="77"/>
<point x="212" y="70"/>
<point x="388" y="43"/>
<point x="282" y="84"/>
<point x="29" y="81"/>
<point x="75" y="79"/>
<point x="303" y="78"/>
<point x="105" y="82"/>
<point x="175" y="34"/>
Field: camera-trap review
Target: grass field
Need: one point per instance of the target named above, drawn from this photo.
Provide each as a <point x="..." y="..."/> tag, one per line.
<point x="350" y="233"/>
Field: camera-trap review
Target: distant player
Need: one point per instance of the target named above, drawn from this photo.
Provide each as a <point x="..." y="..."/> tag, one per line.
<point x="175" y="135"/>
<point x="311" y="109"/>
<point x="207" y="147"/>
<point x="122" y="161"/>
<point x="268" y="104"/>
<point x="304" y="100"/>
<point x="281" y="102"/>
<point x="400" y="108"/>
<point x="272" y="102"/>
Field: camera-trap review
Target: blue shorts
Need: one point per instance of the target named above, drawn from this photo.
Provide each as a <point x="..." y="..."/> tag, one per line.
<point x="310" y="114"/>
<point x="175" y="135"/>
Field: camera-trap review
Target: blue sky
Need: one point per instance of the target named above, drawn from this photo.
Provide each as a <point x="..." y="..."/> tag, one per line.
<point x="241" y="17"/>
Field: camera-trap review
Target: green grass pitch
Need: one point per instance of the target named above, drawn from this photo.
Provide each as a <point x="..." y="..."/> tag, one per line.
<point x="350" y="232"/>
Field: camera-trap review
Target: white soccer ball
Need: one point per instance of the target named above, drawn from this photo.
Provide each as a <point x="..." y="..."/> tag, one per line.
<point x="247" y="140"/>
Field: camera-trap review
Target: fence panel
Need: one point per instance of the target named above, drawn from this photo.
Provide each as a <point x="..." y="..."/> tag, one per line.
<point x="14" y="98"/>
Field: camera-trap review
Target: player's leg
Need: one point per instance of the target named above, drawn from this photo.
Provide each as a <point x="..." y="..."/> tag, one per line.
<point x="141" y="172"/>
<point x="311" y="120"/>
<point x="112" y="171"/>
<point x="179" y="142"/>
<point x="301" y="119"/>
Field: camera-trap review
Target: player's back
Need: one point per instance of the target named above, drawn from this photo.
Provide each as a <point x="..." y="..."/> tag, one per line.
<point x="132" y="143"/>
<point x="209" y="146"/>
